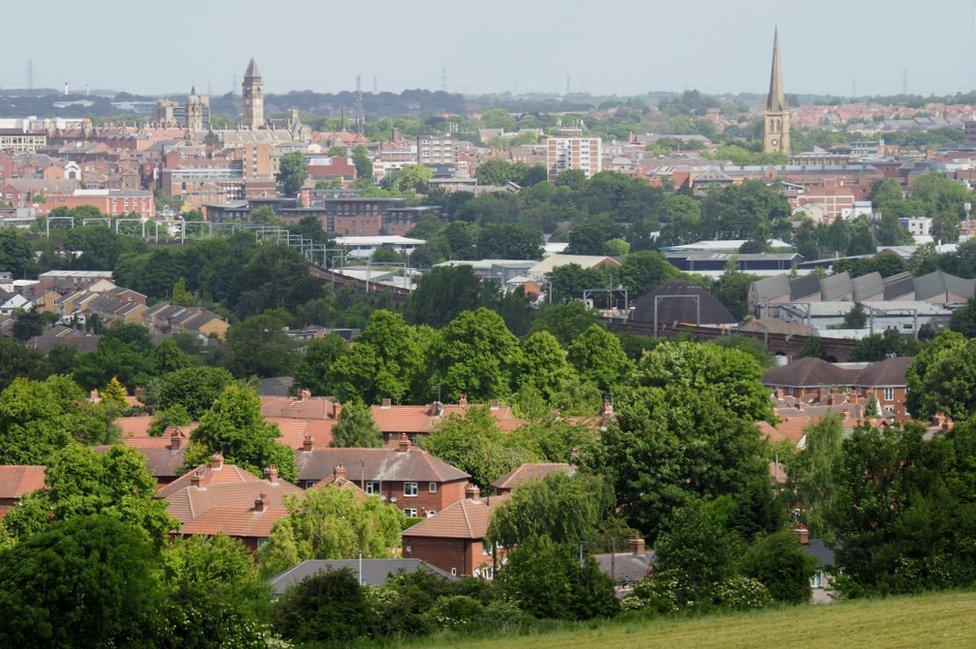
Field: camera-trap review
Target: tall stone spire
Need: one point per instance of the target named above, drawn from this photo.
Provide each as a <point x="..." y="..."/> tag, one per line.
<point x="775" y="101"/>
<point x="252" y="115"/>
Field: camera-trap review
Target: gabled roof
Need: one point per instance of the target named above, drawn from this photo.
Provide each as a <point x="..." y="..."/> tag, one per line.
<point x="375" y="572"/>
<point x="769" y="288"/>
<point x="190" y="503"/>
<point x="938" y="282"/>
<point x="836" y="287"/>
<point x="868" y="286"/>
<point x="468" y="518"/>
<point x="423" y="419"/>
<point x="210" y="477"/>
<point x="529" y="471"/>
<point x="240" y="521"/>
<point x="376" y="464"/>
<point x="899" y="285"/>
<point x="18" y="480"/>
<point x="292" y="408"/>
<point x="804" y="286"/>
<point x="161" y="460"/>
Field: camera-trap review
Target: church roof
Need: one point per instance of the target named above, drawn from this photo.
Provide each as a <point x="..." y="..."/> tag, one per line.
<point x="776" y="101"/>
<point x="252" y="70"/>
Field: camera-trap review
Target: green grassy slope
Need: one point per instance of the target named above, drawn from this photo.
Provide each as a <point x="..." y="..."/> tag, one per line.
<point x="925" y="622"/>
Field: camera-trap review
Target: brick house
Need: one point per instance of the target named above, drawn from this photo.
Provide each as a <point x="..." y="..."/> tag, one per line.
<point x="454" y="539"/>
<point x="814" y="381"/>
<point x="164" y="455"/>
<point x="418" y="483"/>
<point x="417" y="421"/>
<point x="222" y="498"/>
<point x="16" y="481"/>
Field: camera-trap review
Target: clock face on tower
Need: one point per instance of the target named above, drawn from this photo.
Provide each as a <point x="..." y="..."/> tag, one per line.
<point x="774" y="142"/>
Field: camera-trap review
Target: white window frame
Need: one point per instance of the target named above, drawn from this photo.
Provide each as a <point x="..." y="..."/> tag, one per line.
<point x="410" y="511"/>
<point x="432" y="487"/>
<point x="889" y="394"/>
<point x="372" y="488"/>
<point x="411" y="489"/>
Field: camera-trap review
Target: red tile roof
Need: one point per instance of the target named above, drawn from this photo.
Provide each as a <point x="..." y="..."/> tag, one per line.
<point x="237" y="522"/>
<point x="466" y="519"/>
<point x="529" y="471"/>
<point x="19" y="479"/>
<point x="292" y="408"/>
<point x="293" y="431"/>
<point x="376" y="464"/>
<point x="189" y="503"/>
<point x="422" y="419"/>
<point x="137" y="426"/>
<point x="210" y="476"/>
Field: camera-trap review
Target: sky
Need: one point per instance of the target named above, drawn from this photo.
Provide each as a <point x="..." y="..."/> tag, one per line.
<point x="621" y="47"/>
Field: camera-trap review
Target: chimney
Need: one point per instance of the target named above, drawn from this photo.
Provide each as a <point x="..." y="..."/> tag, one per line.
<point x="304" y="394"/>
<point x="94" y="396"/>
<point x="463" y="400"/>
<point x="404" y="444"/>
<point x="778" y="393"/>
<point x="336" y="410"/>
<point x="386" y="403"/>
<point x="271" y="474"/>
<point x="852" y="397"/>
<point x="176" y="440"/>
<point x="636" y="545"/>
<point x="802" y="535"/>
<point x="217" y="461"/>
<point x="307" y="444"/>
<point x="259" y="503"/>
<point x="495" y="404"/>
<point x="607" y="409"/>
<point x="471" y="492"/>
<point x="339" y="471"/>
<point x="196" y="479"/>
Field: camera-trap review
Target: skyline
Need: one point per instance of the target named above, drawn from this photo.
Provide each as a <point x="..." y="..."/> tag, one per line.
<point x="513" y="47"/>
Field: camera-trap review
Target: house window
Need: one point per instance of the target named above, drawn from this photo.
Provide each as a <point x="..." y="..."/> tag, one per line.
<point x="486" y="549"/>
<point x="410" y="489"/>
<point x="432" y="487"/>
<point x="889" y="394"/>
<point x="454" y="571"/>
<point x="487" y="573"/>
<point x="410" y="511"/>
<point x="372" y="488"/>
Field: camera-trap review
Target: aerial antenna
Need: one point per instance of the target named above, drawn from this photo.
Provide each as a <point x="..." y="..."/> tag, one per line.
<point x="444" y="79"/>
<point x="375" y="85"/>
<point x="30" y="74"/>
<point x="567" y="84"/>
<point x="359" y="105"/>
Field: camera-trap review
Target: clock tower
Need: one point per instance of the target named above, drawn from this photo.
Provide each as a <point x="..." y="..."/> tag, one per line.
<point x="776" y="116"/>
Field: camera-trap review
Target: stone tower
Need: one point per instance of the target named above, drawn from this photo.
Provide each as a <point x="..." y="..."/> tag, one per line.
<point x="776" y="117"/>
<point x="252" y="115"/>
<point x="196" y="116"/>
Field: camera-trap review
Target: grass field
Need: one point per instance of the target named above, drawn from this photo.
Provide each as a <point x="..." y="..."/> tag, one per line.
<point x="924" y="622"/>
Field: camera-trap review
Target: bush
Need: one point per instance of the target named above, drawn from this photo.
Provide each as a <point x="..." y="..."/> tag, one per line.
<point x="742" y="593"/>
<point x="456" y="612"/>
<point x="327" y="607"/>
<point x="779" y="562"/>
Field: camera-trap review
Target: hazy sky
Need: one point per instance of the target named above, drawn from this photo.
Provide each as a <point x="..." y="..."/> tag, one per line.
<point x="610" y="46"/>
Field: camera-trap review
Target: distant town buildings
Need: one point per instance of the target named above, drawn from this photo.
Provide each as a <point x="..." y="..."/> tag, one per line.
<point x="570" y="150"/>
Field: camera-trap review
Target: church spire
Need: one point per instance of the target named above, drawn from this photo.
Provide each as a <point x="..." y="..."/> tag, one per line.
<point x="775" y="101"/>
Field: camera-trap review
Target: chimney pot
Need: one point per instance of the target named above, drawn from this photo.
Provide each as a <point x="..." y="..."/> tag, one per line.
<point x="386" y="402"/>
<point x="404" y="444"/>
<point x="336" y="410"/>
<point x="607" y="408"/>
<point x="495" y="404"/>
<point x="307" y="443"/>
<point x="217" y="461"/>
<point x="339" y="471"/>
<point x="196" y="479"/>
<point x="802" y="535"/>
<point x="259" y="503"/>
<point x="471" y="492"/>
<point x="463" y="400"/>
<point x="176" y="440"/>
<point x="636" y="545"/>
<point x="271" y="474"/>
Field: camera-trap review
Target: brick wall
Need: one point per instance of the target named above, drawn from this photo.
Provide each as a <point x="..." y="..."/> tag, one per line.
<point x="456" y="556"/>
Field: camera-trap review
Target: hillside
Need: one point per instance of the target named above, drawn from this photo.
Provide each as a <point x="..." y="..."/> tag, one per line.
<point x="930" y="621"/>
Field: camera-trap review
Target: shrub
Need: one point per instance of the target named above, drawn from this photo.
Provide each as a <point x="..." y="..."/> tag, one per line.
<point x="456" y="612"/>
<point x="742" y="593"/>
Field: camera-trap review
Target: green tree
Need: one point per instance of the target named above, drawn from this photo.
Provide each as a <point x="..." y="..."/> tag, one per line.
<point x="779" y="563"/>
<point x="878" y="347"/>
<point x="408" y="178"/>
<point x="194" y="388"/>
<point x="363" y="162"/>
<point x="735" y="375"/>
<point x="15" y="251"/>
<point x="565" y="321"/>
<point x="356" y="428"/>
<point x="476" y="355"/>
<point x="82" y="482"/>
<point x="28" y="324"/>
<point x="586" y="503"/>
<point x="313" y="371"/>
<point x="16" y="361"/>
<point x="669" y="445"/>
<point x="38" y="418"/>
<point x="475" y="445"/>
<point x="545" y="368"/>
<point x="813" y="346"/>
<point x="259" y="346"/>
<point x="292" y="172"/>
<point x="181" y="295"/>
<point x="331" y="524"/>
<point x="215" y="595"/>
<point x="236" y="427"/>
<point x="548" y="581"/>
<point x="445" y="292"/>
<point x="168" y="356"/>
<point x="641" y="271"/>
<point x="509" y="241"/>
<point x="599" y="357"/>
<point x="813" y="474"/>
<point x="963" y="319"/>
<point x="856" y="318"/>
<point x="175" y="415"/>
<point x="327" y="607"/>
<point x="115" y="395"/>
<point x="941" y="376"/>
<point x="84" y="582"/>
